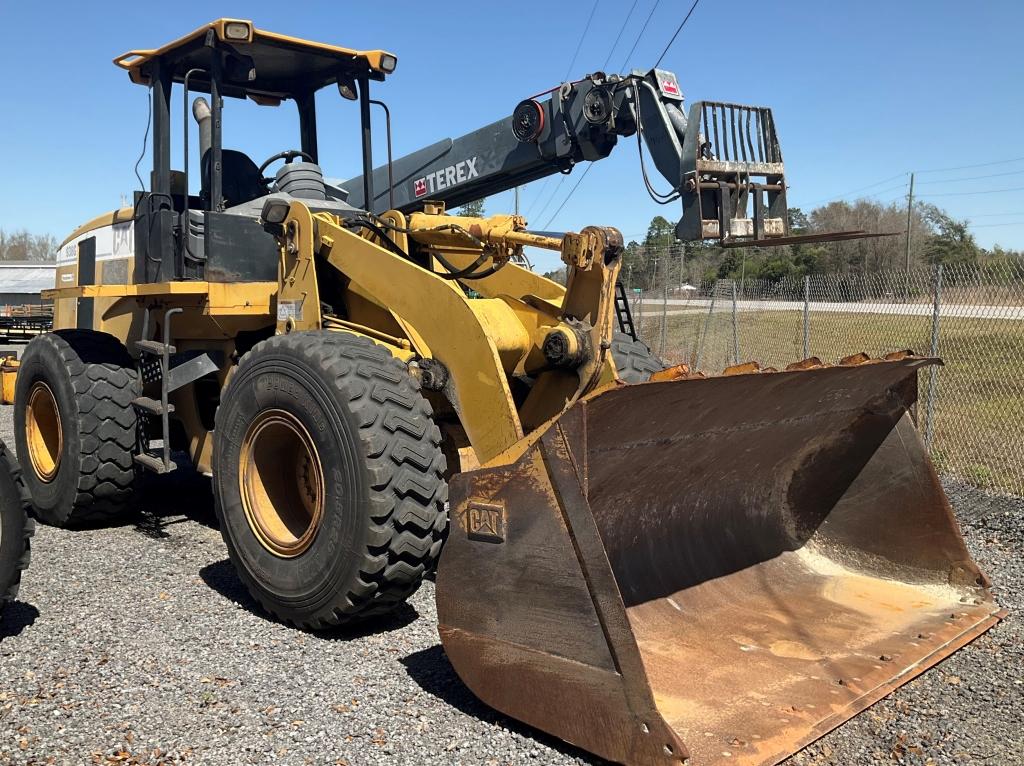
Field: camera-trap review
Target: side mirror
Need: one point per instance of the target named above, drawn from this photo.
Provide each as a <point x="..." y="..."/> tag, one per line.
<point x="347" y="87"/>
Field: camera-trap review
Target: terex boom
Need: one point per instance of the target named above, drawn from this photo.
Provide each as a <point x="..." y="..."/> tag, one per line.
<point x="678" y="568"/>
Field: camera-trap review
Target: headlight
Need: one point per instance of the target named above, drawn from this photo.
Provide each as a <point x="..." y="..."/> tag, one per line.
<point x="237" y="30"/>
<point x="275" y="210"/>
<point x="388" y="63"/>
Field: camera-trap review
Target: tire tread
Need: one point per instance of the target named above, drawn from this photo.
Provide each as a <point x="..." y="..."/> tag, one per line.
<point x="11" y="467"/>
<point x="105" y="382"/>
<point x="633" y="359"/>
<point x="401" y="447"/>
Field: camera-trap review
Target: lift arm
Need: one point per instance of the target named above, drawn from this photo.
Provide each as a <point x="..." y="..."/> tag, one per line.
<point x="721" y="161"/>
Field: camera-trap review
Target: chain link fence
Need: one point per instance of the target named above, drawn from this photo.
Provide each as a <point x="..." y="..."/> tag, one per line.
<point x="971" y="410"/>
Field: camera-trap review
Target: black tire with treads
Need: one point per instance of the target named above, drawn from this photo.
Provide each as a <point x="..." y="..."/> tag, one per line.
<point x="16" y="527"/>
<point x="385" y="498"/>
<point x="93" y="380"/>
<point x="634" y="361"/>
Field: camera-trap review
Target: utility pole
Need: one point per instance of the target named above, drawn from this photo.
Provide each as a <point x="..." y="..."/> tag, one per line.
<point x="682" y="267"/>
<point x="910" y="210"/>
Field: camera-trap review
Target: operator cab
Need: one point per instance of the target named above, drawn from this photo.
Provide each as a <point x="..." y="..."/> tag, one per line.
<point x="216" y="235"/>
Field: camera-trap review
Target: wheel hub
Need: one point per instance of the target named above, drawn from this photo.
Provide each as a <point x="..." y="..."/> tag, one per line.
<point x="282" y="483"/>
<point x="43" y="432"/>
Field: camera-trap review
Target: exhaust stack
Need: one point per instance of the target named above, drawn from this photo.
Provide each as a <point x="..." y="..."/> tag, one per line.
<point x="203" y="116"/>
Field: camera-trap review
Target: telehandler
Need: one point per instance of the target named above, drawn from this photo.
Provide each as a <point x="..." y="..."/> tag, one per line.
<point x="717" y="568"/>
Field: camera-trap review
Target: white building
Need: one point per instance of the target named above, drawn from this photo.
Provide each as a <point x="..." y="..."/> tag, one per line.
<point x="22" y="281"/>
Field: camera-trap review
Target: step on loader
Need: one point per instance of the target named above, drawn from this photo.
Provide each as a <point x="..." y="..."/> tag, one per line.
<point x="654" y="565"/>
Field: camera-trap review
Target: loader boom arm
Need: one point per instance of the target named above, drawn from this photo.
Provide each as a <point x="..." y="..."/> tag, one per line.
<point x="722" y="161"/>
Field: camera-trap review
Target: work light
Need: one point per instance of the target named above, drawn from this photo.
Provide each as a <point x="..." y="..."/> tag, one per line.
<point x="275" y="210"/>
<point x="237" y="30"/>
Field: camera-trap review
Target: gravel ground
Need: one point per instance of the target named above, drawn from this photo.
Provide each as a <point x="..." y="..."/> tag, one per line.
<point x="139" y="645"/>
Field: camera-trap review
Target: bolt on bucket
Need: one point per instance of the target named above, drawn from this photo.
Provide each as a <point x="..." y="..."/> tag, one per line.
<point x="710" y="571"/>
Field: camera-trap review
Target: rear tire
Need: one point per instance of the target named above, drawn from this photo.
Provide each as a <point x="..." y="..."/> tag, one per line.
<point x="634" y="361"/>
<point x="74" y="426"/>
<point x="16" y="528"/>
<point x="328" y="478"/>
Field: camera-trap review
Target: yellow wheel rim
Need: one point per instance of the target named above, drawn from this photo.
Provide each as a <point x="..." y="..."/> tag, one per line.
<point x="43" y="431"/>
<point x="281" y="483"/>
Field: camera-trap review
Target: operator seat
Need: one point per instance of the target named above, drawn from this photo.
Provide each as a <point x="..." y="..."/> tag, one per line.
<point x="241" y="180"/>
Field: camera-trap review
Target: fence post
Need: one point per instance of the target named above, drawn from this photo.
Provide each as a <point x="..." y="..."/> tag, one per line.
<point x="934" y="351"/>
<point x="704" y="332"/>
<point x="638" y="313"/>
<point x="735" y="327"/>
<point x="807" y="317"/>
<point x="664" y="319"/>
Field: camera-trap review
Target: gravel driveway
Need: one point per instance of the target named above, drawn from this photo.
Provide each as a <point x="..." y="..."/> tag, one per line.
<point x="139" y="645"/>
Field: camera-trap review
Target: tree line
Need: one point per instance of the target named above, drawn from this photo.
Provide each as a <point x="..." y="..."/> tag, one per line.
<point x="23" y="246"/>
<point x="935" y="238"/>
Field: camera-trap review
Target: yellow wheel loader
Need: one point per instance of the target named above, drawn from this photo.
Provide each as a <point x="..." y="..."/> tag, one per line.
<point x="651" y="564"/>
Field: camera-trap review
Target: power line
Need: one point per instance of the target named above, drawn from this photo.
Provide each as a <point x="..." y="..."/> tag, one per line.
<point x="862" y="188"/>
<point x="995" y="215"/>
<point x="572" y="62"/>
<point x="642" y="30"/>
<point x="536" y="199"/>
<point x="983" y="191"/>
<point x="619" y="35"/>
<point x="568" y="196"/>
<point x="874" y="195"/>
<point x="554" y="193"/>
<point x="979" y="165"/>
<point x="580" y="43"/>
<point x="930" y="170"/>
<point x="973" y="178"/>
<point x="676" y="33"/>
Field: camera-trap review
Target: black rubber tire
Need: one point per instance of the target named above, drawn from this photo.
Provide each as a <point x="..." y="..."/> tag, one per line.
<point x="385" y="508"/>
<point x="16" y="527"/>
<point x="634" y="361"/>
<point x="93" y="381"/>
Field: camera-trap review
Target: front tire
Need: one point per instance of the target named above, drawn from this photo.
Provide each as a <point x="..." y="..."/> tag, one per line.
<point x="74" y="426"/>
<point x="16" y="528"/>
<point x="328" y="478"/>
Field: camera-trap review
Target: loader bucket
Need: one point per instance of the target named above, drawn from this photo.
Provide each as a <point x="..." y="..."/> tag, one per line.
<point x="715" y="571"/>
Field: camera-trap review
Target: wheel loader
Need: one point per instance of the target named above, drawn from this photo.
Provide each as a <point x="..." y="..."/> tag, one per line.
<point x="653" y="564"/>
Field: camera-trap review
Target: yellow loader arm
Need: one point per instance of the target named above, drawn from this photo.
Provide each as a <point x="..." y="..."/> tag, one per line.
<point x="561" y="341"/>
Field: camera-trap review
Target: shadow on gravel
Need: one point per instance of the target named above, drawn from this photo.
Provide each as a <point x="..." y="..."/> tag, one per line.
<point x="17" y="616"/>
<point x="433" y="673"/>
<point x="174" y="498"/>
<point x="221" y="577"/>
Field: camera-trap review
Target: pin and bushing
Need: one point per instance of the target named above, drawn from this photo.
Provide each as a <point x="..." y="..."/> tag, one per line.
<point x="565" y="347"/>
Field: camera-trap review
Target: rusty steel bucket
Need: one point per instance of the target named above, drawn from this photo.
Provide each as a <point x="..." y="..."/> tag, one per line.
<point x="715" y="571"/>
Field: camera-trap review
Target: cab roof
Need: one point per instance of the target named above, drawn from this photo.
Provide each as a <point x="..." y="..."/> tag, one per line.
<point x="281" y="66"/>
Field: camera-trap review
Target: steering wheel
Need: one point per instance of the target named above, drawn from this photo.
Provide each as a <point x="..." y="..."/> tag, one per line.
<point x="287" y="156"/>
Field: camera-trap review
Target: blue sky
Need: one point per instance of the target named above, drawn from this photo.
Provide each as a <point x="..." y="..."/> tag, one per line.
<point x="862" y="93"/>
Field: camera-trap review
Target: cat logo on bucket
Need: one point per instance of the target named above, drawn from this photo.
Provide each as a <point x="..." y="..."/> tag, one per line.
<point x="485" y="522"/>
